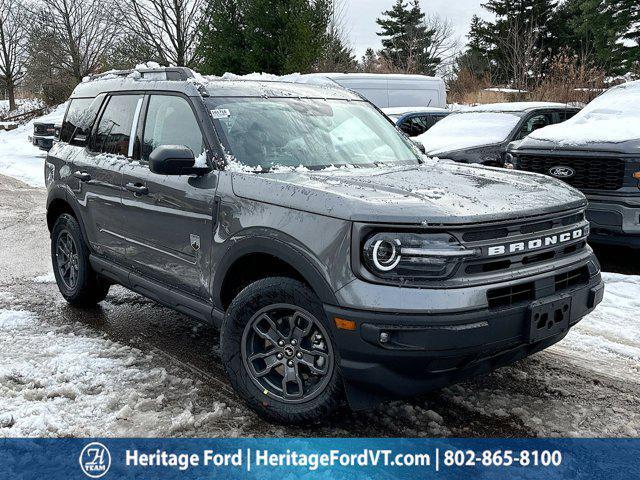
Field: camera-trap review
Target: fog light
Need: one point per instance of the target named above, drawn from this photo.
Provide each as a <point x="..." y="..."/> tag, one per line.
<point x="384" y="337"/>
<point x="636" y="175"/>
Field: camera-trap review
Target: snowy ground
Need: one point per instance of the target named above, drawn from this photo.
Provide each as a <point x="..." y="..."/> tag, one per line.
<point x="131" y="367"/>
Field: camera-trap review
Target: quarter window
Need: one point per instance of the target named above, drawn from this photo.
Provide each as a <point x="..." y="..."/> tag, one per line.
<point x="170" y="121"/>
<point x="79" y="119"/>
<point x="114" y="129"/>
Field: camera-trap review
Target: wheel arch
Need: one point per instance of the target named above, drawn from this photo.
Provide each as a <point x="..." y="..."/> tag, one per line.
<point x="58" y="204"/>
<point x="250" y="251"/>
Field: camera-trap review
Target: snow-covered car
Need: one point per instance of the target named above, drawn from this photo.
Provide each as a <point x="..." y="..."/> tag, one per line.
<point x="44" y="129"/>
<point x="482" y="134"/>
<point x="415" y="121"/>
<point x="597" y="152"/>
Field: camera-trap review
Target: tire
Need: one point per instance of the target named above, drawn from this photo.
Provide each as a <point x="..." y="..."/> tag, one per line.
<point x="291" y="306"/>
<point x="77" y="282"/>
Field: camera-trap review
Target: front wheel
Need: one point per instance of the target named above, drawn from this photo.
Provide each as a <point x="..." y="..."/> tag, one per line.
<point x="278" y="353"/>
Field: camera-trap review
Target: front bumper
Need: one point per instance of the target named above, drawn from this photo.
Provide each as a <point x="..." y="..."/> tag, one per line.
<point x="422" y="352"/>
<point x="614" y="219"/>
<point x="43" y="143"/>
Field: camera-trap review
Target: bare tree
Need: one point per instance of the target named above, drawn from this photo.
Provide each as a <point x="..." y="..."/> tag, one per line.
<point x="86" y="31"/>
<point x="13" y="43"/>
<point x="523" y="58"/>
<point x="168" y="27"/>
<point x="444" y="46"/>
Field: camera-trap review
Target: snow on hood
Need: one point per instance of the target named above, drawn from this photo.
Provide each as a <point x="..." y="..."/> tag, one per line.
<point x="614" y="117"/>
<point x="461" y="131"/>
<point x="55" y="116"/>
<point x="438" y="192"/>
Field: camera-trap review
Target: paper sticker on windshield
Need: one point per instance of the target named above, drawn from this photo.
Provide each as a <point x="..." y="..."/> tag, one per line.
<point x="220" y="113"/>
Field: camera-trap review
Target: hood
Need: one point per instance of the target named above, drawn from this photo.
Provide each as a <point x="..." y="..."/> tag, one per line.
<point x="578" y="138"/>
<point x="436" y="192"/>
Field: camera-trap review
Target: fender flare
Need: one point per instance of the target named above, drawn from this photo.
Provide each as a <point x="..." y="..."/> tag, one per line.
<point x="283" y="251"/>
<point x="60" y="195"/>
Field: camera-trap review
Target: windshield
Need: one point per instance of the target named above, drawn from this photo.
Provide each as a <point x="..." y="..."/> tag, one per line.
<point x="265" y="133"/>
<point x="467" y="130"/>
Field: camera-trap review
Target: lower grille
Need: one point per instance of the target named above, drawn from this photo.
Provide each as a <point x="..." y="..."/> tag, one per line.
<point x="526" y="292"/>
<point x="590" y="172"/>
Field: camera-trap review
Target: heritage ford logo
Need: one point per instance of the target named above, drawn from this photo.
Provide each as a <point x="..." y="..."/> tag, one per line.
<point x="562" y="172"/>
<point x="95" y="460"/>
<point x="537" y="243"/>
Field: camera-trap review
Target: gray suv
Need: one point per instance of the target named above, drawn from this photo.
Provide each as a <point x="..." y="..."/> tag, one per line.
<point x="337" y="261"/>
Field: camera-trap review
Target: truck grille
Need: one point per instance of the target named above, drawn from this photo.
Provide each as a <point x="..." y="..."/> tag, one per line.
<point x="590" y="172"/>
<point x="42" y="129"/>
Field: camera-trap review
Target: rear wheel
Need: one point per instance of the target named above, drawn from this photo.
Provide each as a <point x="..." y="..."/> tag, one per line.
<point x="278" y="353"/>
<point x="76" y="280"/>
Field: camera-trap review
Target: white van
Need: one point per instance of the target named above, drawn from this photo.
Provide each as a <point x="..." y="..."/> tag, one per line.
<point x="387" y="91"/>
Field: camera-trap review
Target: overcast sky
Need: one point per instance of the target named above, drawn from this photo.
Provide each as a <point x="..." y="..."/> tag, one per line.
<point x="361" y="26"/>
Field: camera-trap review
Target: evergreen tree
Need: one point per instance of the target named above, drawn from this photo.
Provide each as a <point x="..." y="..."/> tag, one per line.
<point x="406" y="38"/>
<point x="223" y="45"/>
<point x="273" y="36"/>
<point x="516" y="22"/>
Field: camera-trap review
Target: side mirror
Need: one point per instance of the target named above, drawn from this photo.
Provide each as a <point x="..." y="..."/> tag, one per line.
<point x="420" y="146"/>
<point x="174" y="160"/>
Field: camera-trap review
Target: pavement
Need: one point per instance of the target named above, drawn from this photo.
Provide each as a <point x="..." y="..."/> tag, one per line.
<point x="133" y="368"/>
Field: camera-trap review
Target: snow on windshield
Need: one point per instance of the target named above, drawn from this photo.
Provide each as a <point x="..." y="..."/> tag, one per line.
<point x="468" y="130"/>
<point x="613" y="117"/>
<point x="267" y="133"/>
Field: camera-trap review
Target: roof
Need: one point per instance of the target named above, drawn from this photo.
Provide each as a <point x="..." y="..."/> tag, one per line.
<point x="515" y="107"/>
<point x="388" y="76"/>
<point x="194" y="85"/>
<point x="399" y="111"/>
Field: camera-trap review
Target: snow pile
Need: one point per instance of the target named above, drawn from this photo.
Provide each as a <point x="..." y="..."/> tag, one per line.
<point x="23" y="106"/>
<point x="68" y="381"/>
<point x="19" y="158"/>
<point x="468" y="130"/>
<point x="613" y="117"/>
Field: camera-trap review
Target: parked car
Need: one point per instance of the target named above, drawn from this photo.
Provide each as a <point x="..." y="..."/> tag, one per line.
<point x="337" y="261"/>
<point x="392" y="90"/>
<point x="481" y="134"/>
<point x="597" y="152"/>
<point x="44" y="129"/>
<point x="415" y="121"/>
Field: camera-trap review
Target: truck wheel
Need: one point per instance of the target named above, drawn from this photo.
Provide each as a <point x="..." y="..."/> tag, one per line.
<point x="279" y="355"/>
<point x="76" y="280"/>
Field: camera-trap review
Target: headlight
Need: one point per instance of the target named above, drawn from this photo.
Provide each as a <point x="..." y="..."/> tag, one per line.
<point x="413" y="255"/>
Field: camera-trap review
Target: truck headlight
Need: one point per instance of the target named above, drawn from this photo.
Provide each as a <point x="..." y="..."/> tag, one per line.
<point x="413" y="255"/>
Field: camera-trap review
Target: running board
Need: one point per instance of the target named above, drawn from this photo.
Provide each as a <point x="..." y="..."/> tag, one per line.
<point x="169" y="297"/>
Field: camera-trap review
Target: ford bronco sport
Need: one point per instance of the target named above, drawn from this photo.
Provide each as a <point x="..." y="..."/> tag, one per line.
<point x="338" y="262"/>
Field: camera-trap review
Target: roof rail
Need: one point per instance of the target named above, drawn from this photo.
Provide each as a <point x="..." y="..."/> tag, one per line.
<point x="161" y="73"/>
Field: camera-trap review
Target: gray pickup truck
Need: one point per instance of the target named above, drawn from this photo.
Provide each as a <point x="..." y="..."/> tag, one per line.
<point x="597" y="152"/>
<point x="338" y="262"/>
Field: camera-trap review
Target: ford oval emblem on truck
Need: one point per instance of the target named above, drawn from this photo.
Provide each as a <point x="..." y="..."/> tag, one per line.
<point x="562" y="172"/>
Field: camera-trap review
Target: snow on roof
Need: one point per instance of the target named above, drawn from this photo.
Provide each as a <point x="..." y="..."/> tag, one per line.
<point x="513" y="106"/>
<point x="388" y="76"/>
<point x="613" y="117"/>
<point x="398" y="111"/>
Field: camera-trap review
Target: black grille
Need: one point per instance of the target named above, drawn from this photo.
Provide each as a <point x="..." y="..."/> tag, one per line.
<point x="570" y="279"/>
<point x="42" y="129"/>
<point x="526" y="292"/>
<point x="508" y="296"/>
<point x="590" y="172"/>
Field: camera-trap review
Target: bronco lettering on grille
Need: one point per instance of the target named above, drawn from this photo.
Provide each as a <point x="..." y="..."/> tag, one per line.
<point x="537" y="243"/>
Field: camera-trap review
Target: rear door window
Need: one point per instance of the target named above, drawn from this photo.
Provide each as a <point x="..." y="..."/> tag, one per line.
<point x="115" y="127"/>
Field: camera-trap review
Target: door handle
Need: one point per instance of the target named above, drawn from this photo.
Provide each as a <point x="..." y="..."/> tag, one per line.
<point x="137" y="188"/>
<point x="82" y="176"/>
